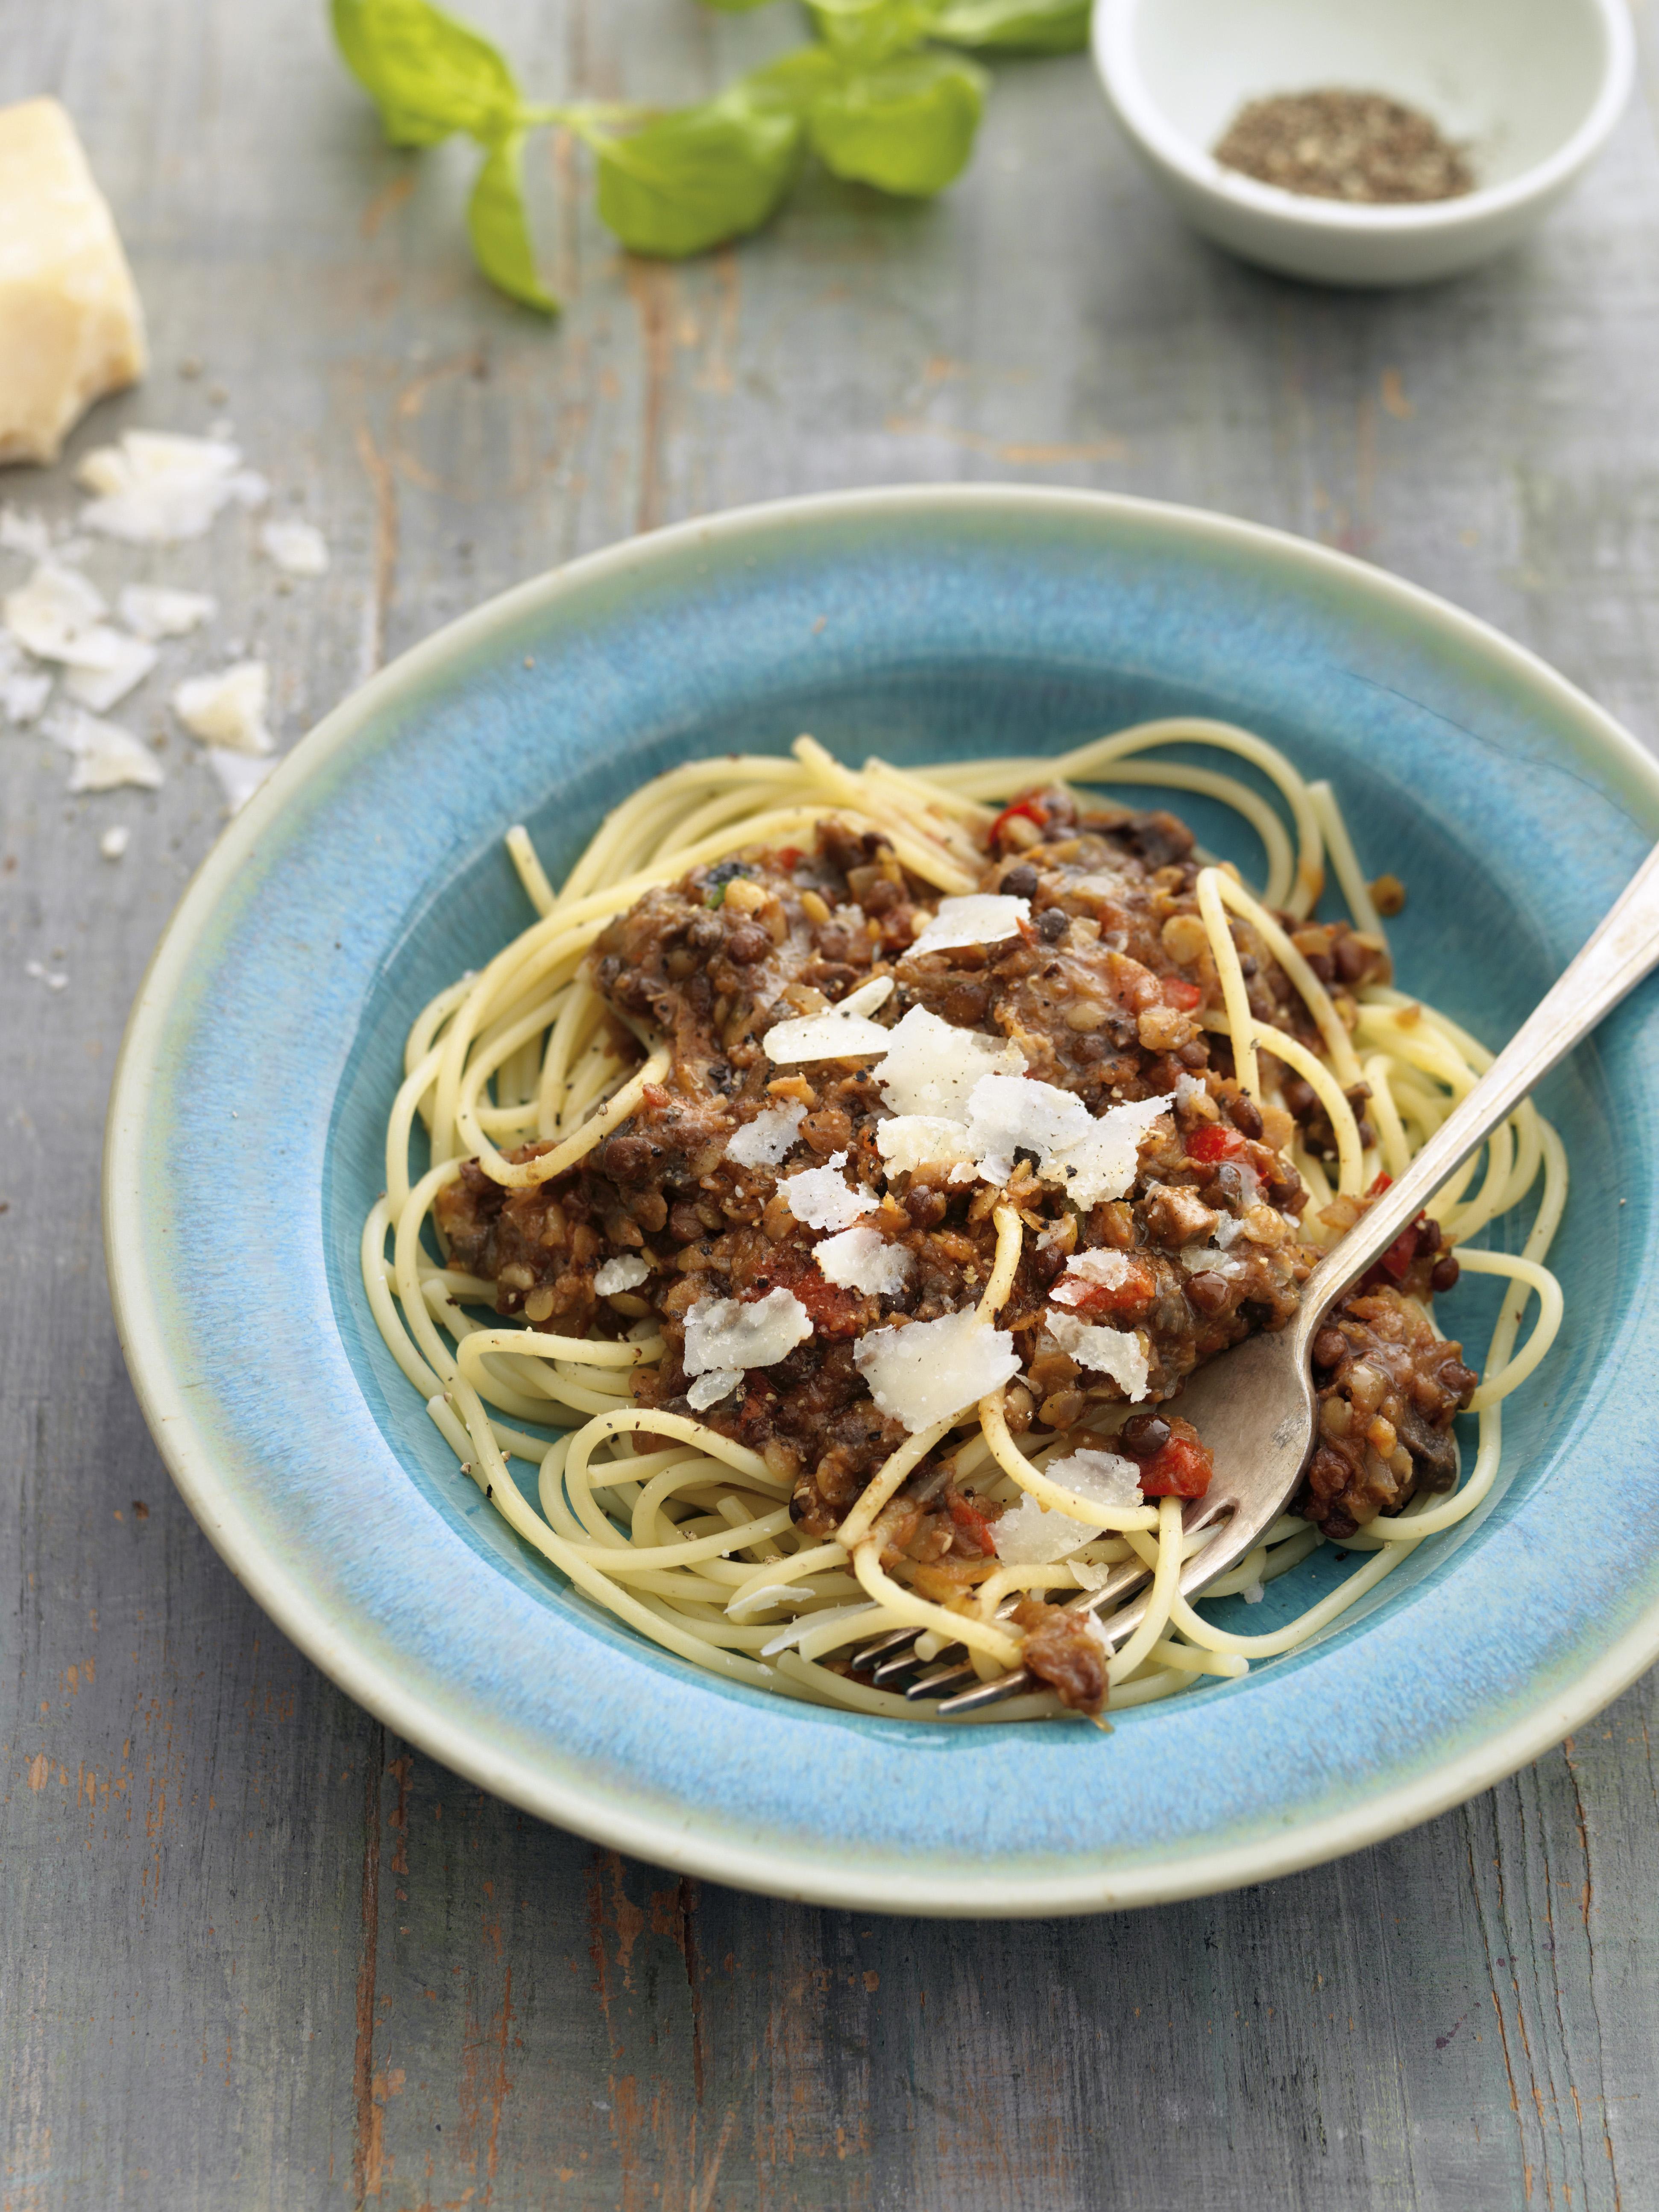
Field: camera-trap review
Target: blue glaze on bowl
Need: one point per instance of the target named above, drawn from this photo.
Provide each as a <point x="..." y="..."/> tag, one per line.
<point x="245" y="1149"/>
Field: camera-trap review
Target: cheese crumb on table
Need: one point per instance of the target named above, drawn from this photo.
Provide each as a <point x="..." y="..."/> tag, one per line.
<point x="105" y="755"/>
<point x="70" y="325"/>
<point x="227" y="709"/>
<point x="114" y="843"/>
<point x="156" y="610"/>
<point x="298" y="549"/>
<point x="158" y="486"/>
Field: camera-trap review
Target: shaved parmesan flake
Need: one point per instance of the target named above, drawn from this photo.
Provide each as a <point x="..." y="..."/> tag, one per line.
<point x="1091" y="1157"/>
<point x="819" y="1198"/>
<point x="54" y="610"/>
<point x="1106" y="1477"/>
<point x="114" y="842"/>
<point x="620" y="1275"/>
<point x="930" y="1369"/>
<point x="708" y="1389"/>
<point x="1119" y="1352"/>
<point x="156" y="488"/>
<point x="229" y="708"/>
<point x="155" y="610"/>
<point x="767" y="1139"/>
<point x="23" y="697"/>
<point x="23" y="690"/>
<point x="25" y="534"/>
<point x="912" y="1140"/>
<point x="835" y="1034"/>
<point x="867" y="997"/>
<point x="124" y="664"/>
<point x="239" y="775"/>
<point x="724" y="1336"/>
<point x="298" y="549"/>
<point x="1210" y="1260"/>
<point x="931" y="1068"/>
<point x="105" y="754"/>
<point x="1110" y="1270"/>
<point x="981" y="918"/>
<point x="1030" y="1537"/>
<point x="863" y="1259"/>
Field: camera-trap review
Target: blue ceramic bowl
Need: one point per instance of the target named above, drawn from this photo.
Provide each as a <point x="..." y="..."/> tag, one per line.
<point x="246" y="1128"/>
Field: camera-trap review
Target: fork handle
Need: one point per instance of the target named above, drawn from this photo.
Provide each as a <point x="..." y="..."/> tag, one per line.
<point x="1622" y="950"/>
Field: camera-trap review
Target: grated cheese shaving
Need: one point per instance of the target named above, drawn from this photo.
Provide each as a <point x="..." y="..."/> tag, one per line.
<point x="930" y="1369"/>
<point x="766" y="1141"/>
<point x="1091" y="1157"/>
<point x="863" y="1259"/>
<point x="622" y="1274"/>
<point x="820" y="1198"/>
<point x="708" y="1389"/>
<point x="227" y="709"/>
<point x="239" y="775"/>
<point x="105" y="754"/>
<point x="1119" y="1352"/>
<point x="1210" y="1259"/>
<point x="930" y="1069"/>
<point x="23" y="690"/>
<point x="1030" y="1536"/>
<point x="123" y="662"/>
<point x="156" y="610"/>
<point x="724" y="1336"/>
<point x="114" y="842"/>
<point x="1110" y="1270"/>
<point x="54" y="611"/>
<point x="298" y="549"/>
<point x="910" y="1141"/>
<point x="981" y="918"/>
<point x="156" y="486"/>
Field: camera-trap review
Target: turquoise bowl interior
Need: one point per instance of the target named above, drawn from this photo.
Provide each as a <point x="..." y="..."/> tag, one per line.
<point x="246" y="1129"/>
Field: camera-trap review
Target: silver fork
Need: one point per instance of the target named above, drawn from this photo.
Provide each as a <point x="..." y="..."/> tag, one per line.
<point x="1254" y="1407"/>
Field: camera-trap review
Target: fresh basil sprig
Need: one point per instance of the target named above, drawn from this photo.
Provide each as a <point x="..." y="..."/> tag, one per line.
<point x="875" y="100"/>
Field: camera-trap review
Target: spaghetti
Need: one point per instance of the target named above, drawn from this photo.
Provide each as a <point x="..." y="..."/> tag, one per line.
<point x="856" y="1161"/>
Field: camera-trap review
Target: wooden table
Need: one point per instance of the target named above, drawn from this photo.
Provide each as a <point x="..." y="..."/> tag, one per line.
<point x="253" y="1951"/>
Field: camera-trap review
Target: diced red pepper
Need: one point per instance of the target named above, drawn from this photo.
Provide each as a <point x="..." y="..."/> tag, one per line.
<point x="1379" y="1186"/>
<point x="1401" y="1254"/>
<point x="1131" y="1295"/>
<point x="1214" y="1142"/>
<point x="973" y="1524"/>
<point x="1031" y="810"/>
<point x="1181" y="1469"/>
<point x="1181" y="995"/>
<point x="788" y="857"/>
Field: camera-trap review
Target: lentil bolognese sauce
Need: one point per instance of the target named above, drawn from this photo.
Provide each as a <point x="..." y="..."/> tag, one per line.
<point x="860" y="1161"/>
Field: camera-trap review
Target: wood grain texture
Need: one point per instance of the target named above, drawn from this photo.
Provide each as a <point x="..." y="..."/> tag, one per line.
<point x="254" y="1953"/>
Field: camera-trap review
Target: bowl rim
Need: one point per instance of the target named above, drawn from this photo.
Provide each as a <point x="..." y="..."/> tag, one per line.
<point x="670" y="1838"/>
<point x="1113" y="46"/>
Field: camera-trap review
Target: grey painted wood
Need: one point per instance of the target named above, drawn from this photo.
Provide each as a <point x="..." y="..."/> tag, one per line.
<point x="254" y="1953"/>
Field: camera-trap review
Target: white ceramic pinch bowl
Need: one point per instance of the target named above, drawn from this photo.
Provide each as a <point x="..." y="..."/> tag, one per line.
<point x="1531" y="88"/>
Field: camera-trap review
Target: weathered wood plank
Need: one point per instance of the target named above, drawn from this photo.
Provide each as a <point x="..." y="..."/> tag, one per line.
<point x="252" y="1951"/>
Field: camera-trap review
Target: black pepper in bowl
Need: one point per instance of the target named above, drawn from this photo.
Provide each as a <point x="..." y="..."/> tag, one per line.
<point x="1336" y="145"/>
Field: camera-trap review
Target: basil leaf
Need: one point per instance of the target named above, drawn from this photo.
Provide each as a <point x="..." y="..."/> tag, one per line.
<point x="500" y="226"/>
<point x="790" y="85"/>
<point x="701" y="175"/>
<point x="866" y="32"/>
<point x="1032" y="26"/>
<point x="429" y="74"/>
<point x="908" y="126"/>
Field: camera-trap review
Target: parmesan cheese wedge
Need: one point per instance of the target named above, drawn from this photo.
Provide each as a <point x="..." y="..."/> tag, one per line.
<point x="70" y="325"/>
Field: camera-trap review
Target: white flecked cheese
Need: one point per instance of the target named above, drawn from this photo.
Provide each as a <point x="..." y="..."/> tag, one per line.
<point x="227" y="709"/>
<point x="70" y="325"/>
<point x="980" y="918"/>
<point x="933" y="1368"/>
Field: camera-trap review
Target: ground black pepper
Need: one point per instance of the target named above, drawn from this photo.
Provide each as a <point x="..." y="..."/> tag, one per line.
<point x="1339" y="145"/>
